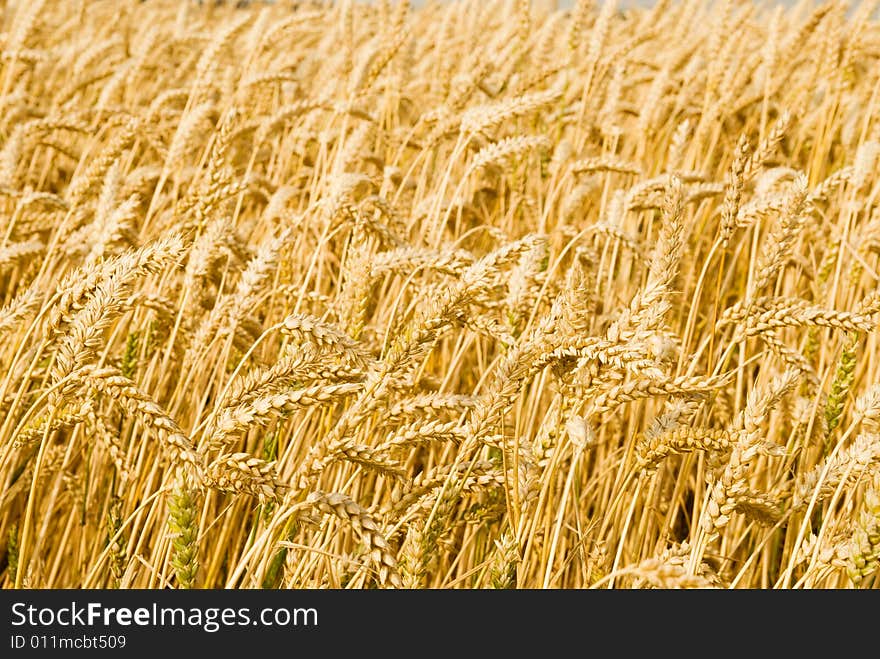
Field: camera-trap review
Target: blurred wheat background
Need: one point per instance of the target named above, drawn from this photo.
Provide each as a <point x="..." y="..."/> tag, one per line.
<point x="474" y="294"/>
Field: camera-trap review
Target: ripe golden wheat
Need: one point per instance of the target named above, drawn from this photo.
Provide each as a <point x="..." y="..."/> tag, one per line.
<point x="479" y="294"/>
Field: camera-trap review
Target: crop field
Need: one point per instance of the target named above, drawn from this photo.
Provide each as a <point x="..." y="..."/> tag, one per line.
<point x="464" y="295"/>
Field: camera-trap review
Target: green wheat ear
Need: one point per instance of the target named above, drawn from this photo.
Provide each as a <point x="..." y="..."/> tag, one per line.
<point x="843" y="379"/>
<point x="184" y="525"/>
<point x="275" y="571"/>
<point x="270" y="454"/>
<point x="129" y="363"/>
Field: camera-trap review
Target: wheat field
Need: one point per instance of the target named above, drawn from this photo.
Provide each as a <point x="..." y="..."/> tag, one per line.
<point x="469" y="295"/>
